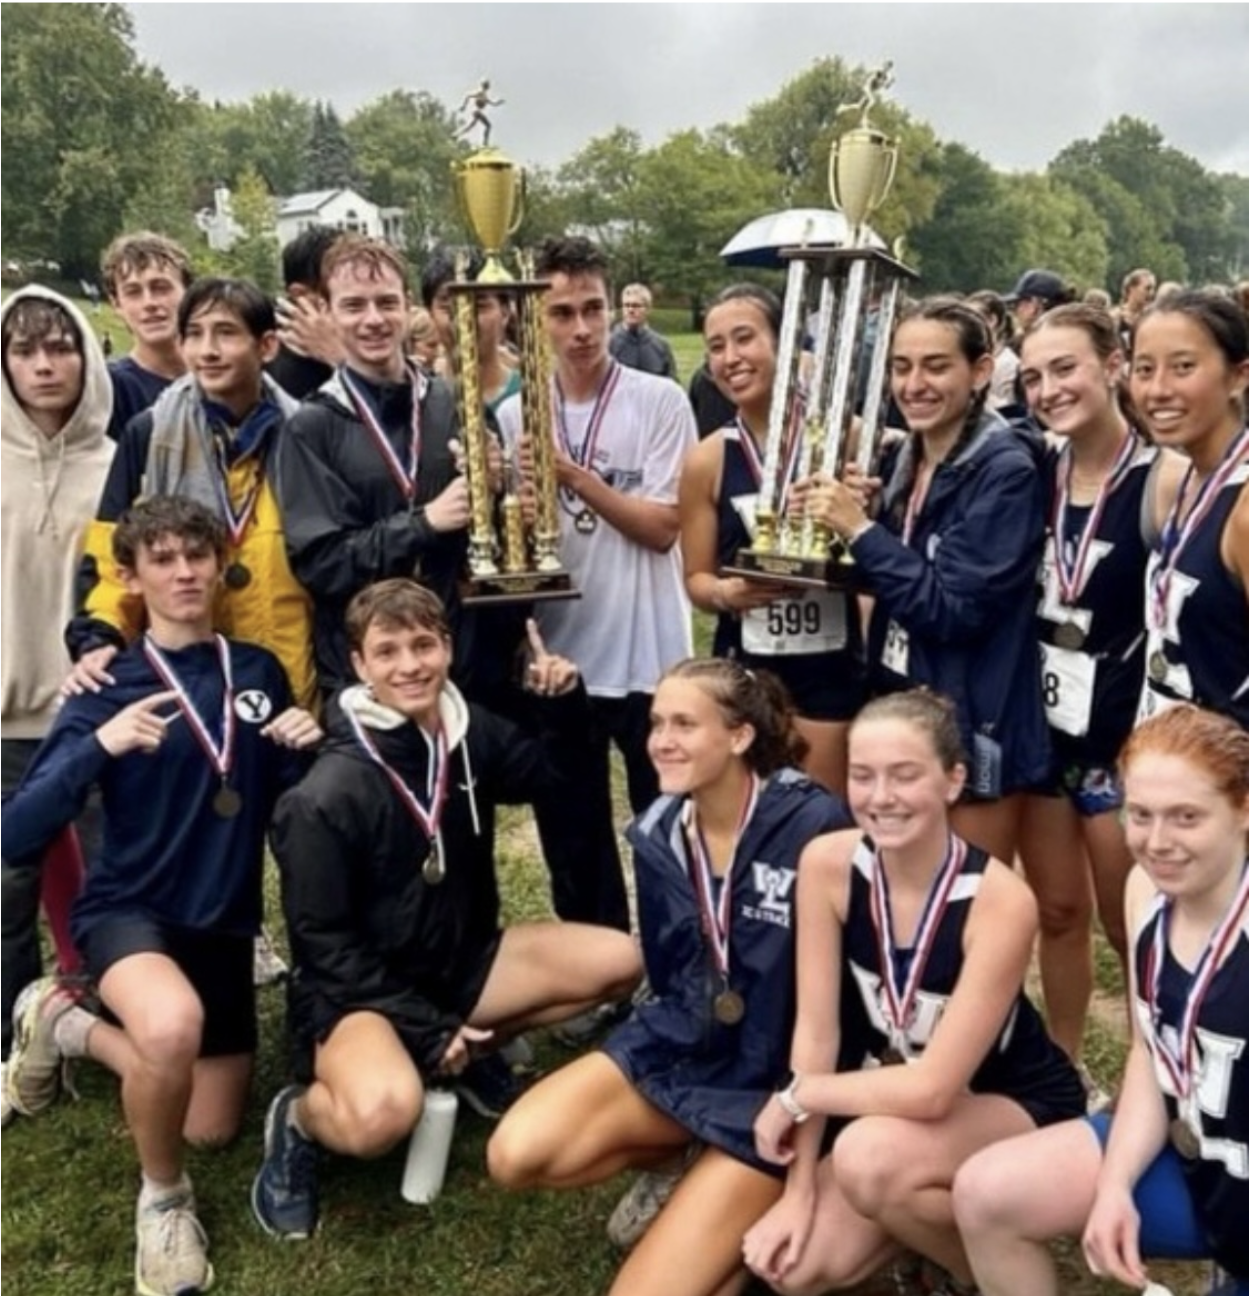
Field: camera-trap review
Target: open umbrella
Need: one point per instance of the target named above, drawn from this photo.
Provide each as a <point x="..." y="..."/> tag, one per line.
<point x="759" y="241"/>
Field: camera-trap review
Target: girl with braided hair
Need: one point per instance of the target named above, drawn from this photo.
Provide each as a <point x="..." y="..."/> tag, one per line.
<point x="950" y="559"/>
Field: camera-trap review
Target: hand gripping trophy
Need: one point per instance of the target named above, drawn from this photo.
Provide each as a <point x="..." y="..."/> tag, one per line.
<point x="511" y="558"/>
<point x="816" y="430"/>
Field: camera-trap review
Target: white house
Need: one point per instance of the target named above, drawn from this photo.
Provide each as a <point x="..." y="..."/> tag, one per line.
<point x="342" y="209"/>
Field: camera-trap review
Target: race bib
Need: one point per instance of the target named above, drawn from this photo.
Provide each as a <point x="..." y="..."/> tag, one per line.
<point x="896" y="651"/>
<point x="1068" y="689"/>
<point x="813" y="622"/>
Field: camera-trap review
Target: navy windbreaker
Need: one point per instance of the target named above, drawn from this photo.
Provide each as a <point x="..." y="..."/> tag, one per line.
<point x="710" y="1078"/>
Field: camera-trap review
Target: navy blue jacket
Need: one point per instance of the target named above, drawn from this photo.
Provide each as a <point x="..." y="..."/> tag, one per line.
<point x="964" y="591"/>
<point x="710" y="1078"/>
<point x="166" y="854"/>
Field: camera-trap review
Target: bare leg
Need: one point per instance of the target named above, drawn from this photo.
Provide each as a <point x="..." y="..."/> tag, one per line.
<point x="549" y="971"/>
<point x="899" y="1172"/>
<point x="1052" y="850"/>
<point x="1112" y="863"/>
<point x="367" y="1094"/>
<point x="1012" y="1198"/>
<point x="826" y="757"/>
<point x="580" y="1125"/>
<point x="845" y="1248"/>
<point x="698" y="1234"/>
<point x="154" y="1053"/>
<point x="992" y="825"/>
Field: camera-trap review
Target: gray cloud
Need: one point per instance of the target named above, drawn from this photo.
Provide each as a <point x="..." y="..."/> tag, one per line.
<point x="1015" y="82"/>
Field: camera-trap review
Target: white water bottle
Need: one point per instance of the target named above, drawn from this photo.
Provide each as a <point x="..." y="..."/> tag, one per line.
<point x="429" y="1148"/>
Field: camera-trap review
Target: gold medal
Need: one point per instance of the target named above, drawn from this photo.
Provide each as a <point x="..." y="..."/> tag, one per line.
<point x="1158" y="666"/>
<point x="227" y="802"/>
<point x="1069" y="635"/>
<point x="1184" y="1139"/>
<point x="434" y="870"/>
<point x="892" y="1057"/>
<point x="238" y="576"/>
<point x="729" y="1007"/>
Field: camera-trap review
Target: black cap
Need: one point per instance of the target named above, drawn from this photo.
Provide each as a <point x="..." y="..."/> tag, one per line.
<point x="1044" y="284"/>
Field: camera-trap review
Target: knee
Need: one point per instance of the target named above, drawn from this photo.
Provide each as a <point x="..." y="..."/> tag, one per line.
<point x="514" y="1157"/>
<point x="623" y="965"/>
<point x="983" y="1194"/>
<point x="870" y="1164"/>
<point x="1061" y="915"/>
<point x="372" y="1123"/>
<point x="169" y="1034"/>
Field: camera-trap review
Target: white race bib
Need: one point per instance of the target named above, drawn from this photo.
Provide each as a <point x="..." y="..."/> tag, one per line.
<point x="813" y="622"/>
<point x="896" y="650"/>
<point x="1068" y="688"/>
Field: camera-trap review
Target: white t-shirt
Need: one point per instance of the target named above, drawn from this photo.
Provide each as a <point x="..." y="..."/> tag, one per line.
<point x="632" y="621"/>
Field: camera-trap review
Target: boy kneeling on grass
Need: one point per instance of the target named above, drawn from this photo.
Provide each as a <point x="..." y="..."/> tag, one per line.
<point x="402" y="972"/>
<point x="190" y="745"/>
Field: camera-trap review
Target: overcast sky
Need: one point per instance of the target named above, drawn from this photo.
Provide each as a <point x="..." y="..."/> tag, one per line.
<point x="1015" y="82"/>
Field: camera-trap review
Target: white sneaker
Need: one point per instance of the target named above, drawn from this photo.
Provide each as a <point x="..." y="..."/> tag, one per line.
<point x="171" y="1255"/>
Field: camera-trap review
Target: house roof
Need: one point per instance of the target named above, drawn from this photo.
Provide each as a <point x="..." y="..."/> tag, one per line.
<point x="313" y="201"/>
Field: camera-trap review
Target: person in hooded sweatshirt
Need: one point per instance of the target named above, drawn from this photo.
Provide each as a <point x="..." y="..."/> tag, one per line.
<point x="403" y="975"/>
<point x="55" y="404"/>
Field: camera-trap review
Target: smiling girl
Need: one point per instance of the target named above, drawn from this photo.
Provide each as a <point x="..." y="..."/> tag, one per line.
<point x="1189" y="376"/>
<point x="810" y="639"/>
<point x="1109" y="491"/>
<point x="912" y="951"/>
<point x="1166" y="1176"/>
<point x="673" y="1092"/>
<point x="951" y="560"/>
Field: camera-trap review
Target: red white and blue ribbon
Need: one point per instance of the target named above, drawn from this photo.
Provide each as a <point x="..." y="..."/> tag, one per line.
<point x="899" y="1000"/>
<point x="1072" y="577"/>
<point x="584" y="453"/>
<point x="220" y="755"/>
<point x="1176" y="535"/>
<point x="427" y="817"/>
<point x="1179" y="1065"/>
<point x="716" y="915"/>
<point x="404" y="475"/>
<point x="793" y="445"/>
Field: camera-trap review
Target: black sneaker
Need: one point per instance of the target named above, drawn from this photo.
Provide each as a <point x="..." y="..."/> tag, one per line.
<point x="489" y="1086"/>
<point x="284" y="1192"/>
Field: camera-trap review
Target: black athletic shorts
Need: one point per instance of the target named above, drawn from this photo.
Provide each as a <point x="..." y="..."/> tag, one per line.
<point x="218" y="966"/>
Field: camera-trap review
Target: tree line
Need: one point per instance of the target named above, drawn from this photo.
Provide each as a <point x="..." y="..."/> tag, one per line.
<point x="96" y="141"/>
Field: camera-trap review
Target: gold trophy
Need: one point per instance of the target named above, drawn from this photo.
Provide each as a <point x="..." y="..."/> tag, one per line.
<point x="509" y="561"/>
<point x="859" y="289"/>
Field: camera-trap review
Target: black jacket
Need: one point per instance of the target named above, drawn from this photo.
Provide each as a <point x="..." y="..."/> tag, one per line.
<point x="366" y="930"/>
<point x="346" y="519"/>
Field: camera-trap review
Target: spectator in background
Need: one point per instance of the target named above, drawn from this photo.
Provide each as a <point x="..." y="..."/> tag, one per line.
<point x="1004" y="393"/>
<point x="1036" y="291"/>
<point x="1137" y="291"/>
<point x="1099" y="298"/>
<point x="146" y="276"/>
<point x="310" y="345"/>
<point x="633" y="343"/>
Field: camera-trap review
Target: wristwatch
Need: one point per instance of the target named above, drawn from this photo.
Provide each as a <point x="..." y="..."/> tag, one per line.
<point x="788" y="1098"/>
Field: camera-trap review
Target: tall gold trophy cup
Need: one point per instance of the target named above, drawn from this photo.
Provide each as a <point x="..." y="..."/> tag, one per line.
<point x="855" y="291"/>
<point x="510" y="559"/>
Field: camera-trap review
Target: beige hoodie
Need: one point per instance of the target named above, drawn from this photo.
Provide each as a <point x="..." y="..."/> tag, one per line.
<point x="50" y="488"/>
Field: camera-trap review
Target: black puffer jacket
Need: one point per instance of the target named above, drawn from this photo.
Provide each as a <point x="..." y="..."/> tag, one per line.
<point x="367" y="931"/>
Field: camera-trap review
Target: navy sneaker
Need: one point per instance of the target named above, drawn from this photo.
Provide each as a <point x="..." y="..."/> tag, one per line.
<point x="489" y="1085"/>
<point x="284" y="1192"/>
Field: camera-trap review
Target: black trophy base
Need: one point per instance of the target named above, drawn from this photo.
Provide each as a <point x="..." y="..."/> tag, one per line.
<point x="518" y="587"/>
<point x="833" y="572"/>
